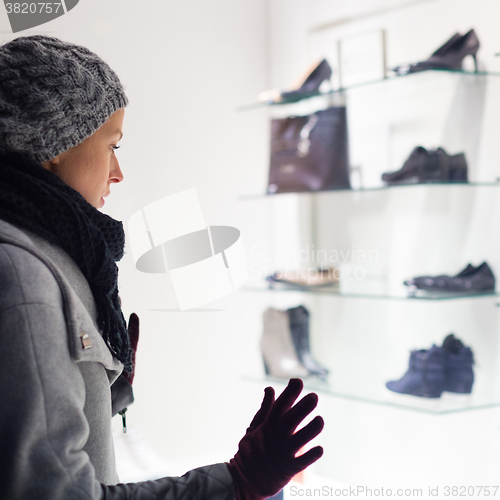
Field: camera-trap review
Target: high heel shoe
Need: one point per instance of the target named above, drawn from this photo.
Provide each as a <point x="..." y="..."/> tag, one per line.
<point x="429" y="166"/>
<point x="448" y="56"/>
<point x="308" y="83"/>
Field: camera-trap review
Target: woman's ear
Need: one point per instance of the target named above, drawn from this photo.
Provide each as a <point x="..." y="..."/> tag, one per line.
<point x="50" y="164"/>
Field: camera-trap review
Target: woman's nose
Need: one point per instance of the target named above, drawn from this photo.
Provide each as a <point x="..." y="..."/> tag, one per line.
<point x="116" y="174"/>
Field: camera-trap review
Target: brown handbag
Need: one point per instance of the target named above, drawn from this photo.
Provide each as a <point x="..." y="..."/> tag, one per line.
<point x="310" y="153"/>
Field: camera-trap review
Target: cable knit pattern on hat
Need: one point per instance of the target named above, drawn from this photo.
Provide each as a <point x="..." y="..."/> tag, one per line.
<point x="53" y="95"/>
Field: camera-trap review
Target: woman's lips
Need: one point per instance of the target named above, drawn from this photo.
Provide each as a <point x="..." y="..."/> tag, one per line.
<point x="102" y="198"/>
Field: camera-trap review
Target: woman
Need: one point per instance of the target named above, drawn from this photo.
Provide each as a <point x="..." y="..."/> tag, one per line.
<point x="63" y="337"/>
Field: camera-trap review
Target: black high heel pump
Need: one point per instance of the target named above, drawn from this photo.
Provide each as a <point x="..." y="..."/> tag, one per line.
<point x="448" y="56"/>
<point x="308" y="83"/>
<point x="315" y="78"/>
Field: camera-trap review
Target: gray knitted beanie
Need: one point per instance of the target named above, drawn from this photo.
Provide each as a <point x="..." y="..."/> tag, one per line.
<point x="53" y="95"/>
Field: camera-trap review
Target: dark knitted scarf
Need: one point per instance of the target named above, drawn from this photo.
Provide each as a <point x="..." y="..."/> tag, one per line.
<point x="34" y="198"/>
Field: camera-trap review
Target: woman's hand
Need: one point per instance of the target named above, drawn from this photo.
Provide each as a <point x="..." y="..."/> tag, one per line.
<point x="133" y="333"/>
<point x="266" y="461"/>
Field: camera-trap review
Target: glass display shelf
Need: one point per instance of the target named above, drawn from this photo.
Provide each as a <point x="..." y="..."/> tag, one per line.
<point x="370" y="289"/>
<point x="370" y="388"/>
<point x="309" y="95"/>
<point x="371" y="189"/>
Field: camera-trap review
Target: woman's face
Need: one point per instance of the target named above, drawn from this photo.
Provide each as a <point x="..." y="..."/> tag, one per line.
<point x="91" y="167"/>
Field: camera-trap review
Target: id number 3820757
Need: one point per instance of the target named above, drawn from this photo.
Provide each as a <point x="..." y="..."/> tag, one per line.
<point x="33" y="8"/>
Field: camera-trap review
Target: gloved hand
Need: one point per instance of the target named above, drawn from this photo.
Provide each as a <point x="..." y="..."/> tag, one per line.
<point x="133" y="333"/>
<point x="122" y="394"/>
<point x="265" y="461"/>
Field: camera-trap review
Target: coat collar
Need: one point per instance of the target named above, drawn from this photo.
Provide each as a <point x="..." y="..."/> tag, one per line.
<point x="84" y="340"/>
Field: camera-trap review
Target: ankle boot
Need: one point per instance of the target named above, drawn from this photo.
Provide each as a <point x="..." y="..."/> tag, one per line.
<point x="459" y="376"/>
<point x="278" y="351"/>
<point x="299" y="325"/>
<point x="425" y="376"/>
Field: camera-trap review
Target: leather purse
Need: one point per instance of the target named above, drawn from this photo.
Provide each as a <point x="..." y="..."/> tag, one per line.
<point x="310" y="153"/>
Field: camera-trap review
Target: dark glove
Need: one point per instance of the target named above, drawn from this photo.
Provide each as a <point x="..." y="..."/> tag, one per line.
<point x="122" y="394"/>
<point x="265" y="461"/>
<point x="133" y="333"/>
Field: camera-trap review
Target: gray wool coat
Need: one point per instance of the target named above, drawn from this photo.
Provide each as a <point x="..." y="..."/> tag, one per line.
<point x="55" y="399"/>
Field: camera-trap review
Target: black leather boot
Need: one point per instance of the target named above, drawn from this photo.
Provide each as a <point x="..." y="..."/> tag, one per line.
<point x="459" y="375"/>
<point x="299" y="325"/>
<point x="425" y="376"/>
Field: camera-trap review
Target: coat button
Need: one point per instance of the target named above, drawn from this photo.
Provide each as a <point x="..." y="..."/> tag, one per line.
<point x="86" y="343"/>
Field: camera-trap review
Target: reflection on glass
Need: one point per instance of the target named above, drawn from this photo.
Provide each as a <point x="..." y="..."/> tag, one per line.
<point x="370" y="388"/>
<point x="370" y="189"/>
<point x="368" y="289"/>
<point x="308" y="95"/>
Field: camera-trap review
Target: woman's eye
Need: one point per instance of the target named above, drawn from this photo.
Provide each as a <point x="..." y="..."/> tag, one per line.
<point x="114" y="148"/>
